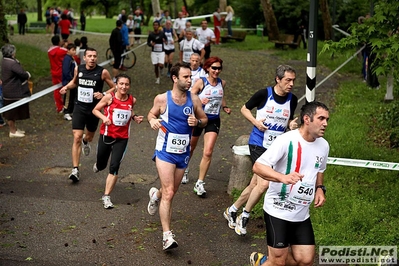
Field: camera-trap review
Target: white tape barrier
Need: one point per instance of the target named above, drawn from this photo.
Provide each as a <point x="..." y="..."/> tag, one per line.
<point x="52" y="88"/>
<point x="244" y="150"/>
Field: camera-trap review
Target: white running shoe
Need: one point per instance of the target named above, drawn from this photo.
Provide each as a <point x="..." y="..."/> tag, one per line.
<point x="199" y="188"/>
<point x="86" y="149"/>
<point x="68" y="117"/>
<point x="17" y="134"/>
<point x="241" y="225"/>
<point x="152" y="204"/>
<point x="158" y="81"/>
<point x="74" y="176"/>
<point x="107" y="202"/>
<point x="168" y="241"/>
<point x="95" y="169"/>
<point x="231" y="217"/>
<point x="185" y="179"/>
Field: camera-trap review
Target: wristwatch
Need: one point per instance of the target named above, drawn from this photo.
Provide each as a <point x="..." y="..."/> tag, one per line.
<point x="322" y="188"/>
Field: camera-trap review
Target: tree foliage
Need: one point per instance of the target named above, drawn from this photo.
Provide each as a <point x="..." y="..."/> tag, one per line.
<point x="381" y="32"/>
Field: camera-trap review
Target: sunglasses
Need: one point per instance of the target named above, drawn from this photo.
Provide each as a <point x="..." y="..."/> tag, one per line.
<point x="216" y="68"/>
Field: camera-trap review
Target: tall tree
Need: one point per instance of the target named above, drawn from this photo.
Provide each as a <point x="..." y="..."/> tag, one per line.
<point x="39" y="10"/>
<point x="270" y="19"/>
<point x="327" y="25"/>
<point x="3" y="24"/>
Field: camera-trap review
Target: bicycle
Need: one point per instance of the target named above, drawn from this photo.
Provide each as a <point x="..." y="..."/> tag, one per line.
<point x="129" y="60"/>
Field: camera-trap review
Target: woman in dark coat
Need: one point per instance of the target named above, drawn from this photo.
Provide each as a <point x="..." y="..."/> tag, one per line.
<point x="15" y="87"/>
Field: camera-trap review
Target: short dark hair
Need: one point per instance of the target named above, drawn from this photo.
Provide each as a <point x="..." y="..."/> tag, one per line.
<point x="89" y="49"/>
<point x="55" y="40"/>
<point x="83" y="40"/>
<point x="119" y="23"/>
<point x="155" y="22"/>
<point x="309" y="109"/>
<point x="175" y="70"/>
<point x="77" y="42"/>
<point x="70" y="46"/>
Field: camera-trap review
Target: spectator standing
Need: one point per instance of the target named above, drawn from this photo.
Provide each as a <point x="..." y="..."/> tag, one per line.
<point x="48" y="20"/>
<point x="2" y="123"/>
<point x="229" y="20"/>
<point x="302" y="30"/>
<point x="56" y="55"/>
<point x="82" y="21"/>
<point x="68" y="67"/>
<point x="138" y="22"/>
<point x="217" y="23"/>
<point x="130" y="26"/>
<point x="22" y="19"/>
<point x="55" y="18"/>
<point x="15" y="87"/>
<point x="65" y="25"/>
<point x="123" y="13"/>
<point x="116" y="45"/>
<point x="206" y="36"/>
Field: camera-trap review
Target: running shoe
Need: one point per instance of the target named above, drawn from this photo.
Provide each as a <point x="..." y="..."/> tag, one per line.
<point x="168" y="241"/>
<point x="95" y="169"/>
<point x="74" y="176"/>
<point x="107" y="202"/>
<point x="86" y="149"/>
<point x="257" y="259"/>
<point x="68" y="117"/>
<point x="17" y="134"/>
<point x="241" y="225"/>
<point x="199" y="188"/>
<point x="158" y="81"/>
<point x="21" y="131"/>
<point x="185" y="177"/>
<point x="152" y="204"/>
<point x="231" y="218"/>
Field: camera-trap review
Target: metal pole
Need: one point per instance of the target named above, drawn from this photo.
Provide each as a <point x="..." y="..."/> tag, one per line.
<point x="312" y="52"/>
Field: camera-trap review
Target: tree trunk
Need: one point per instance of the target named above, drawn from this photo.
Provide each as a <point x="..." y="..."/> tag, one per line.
<point x="270" y="19"/>
<point x="327" y="24"/>
<point x="155" y="7"/>
<point x="39" y="10"/>
<point x="222" y="5"/>
<point x="3" y="25"/>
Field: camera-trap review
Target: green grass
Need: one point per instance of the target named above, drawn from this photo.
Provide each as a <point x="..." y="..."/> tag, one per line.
<point x="39" y="67"/>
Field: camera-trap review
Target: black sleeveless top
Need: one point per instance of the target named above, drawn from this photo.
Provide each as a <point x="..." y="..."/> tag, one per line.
<point x="89" y="82"/>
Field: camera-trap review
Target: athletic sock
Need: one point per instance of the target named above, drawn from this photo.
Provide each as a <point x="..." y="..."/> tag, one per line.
<point x="245" y="213"/>
<point x="233" y="208"/>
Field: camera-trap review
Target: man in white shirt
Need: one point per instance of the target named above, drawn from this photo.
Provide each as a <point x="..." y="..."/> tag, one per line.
<point x="179" y="25"/>
<point x="294" y="164"/>
<point x="189" y="45"/>
<point x="206" y="36"/>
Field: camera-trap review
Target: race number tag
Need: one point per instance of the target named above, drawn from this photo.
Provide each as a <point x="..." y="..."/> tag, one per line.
<point x="121" y="117"/>
<point x="85" y="95"/>
<point x="269" y="137"/>
<point x="158" y="47"/>
<point x="302" y="193"/>
<point x="177" y="143"/>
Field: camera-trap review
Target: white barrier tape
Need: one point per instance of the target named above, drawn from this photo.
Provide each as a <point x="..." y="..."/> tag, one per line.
<point x="244" y="150"/>
<point x="104" y="34"/>
<point x="363" y="163"/>
<point x="52" y="88"/>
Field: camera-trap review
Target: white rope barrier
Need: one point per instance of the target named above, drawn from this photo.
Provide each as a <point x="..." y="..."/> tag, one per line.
<point x="52" y="88"/>
<point x="244" y="150"/>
